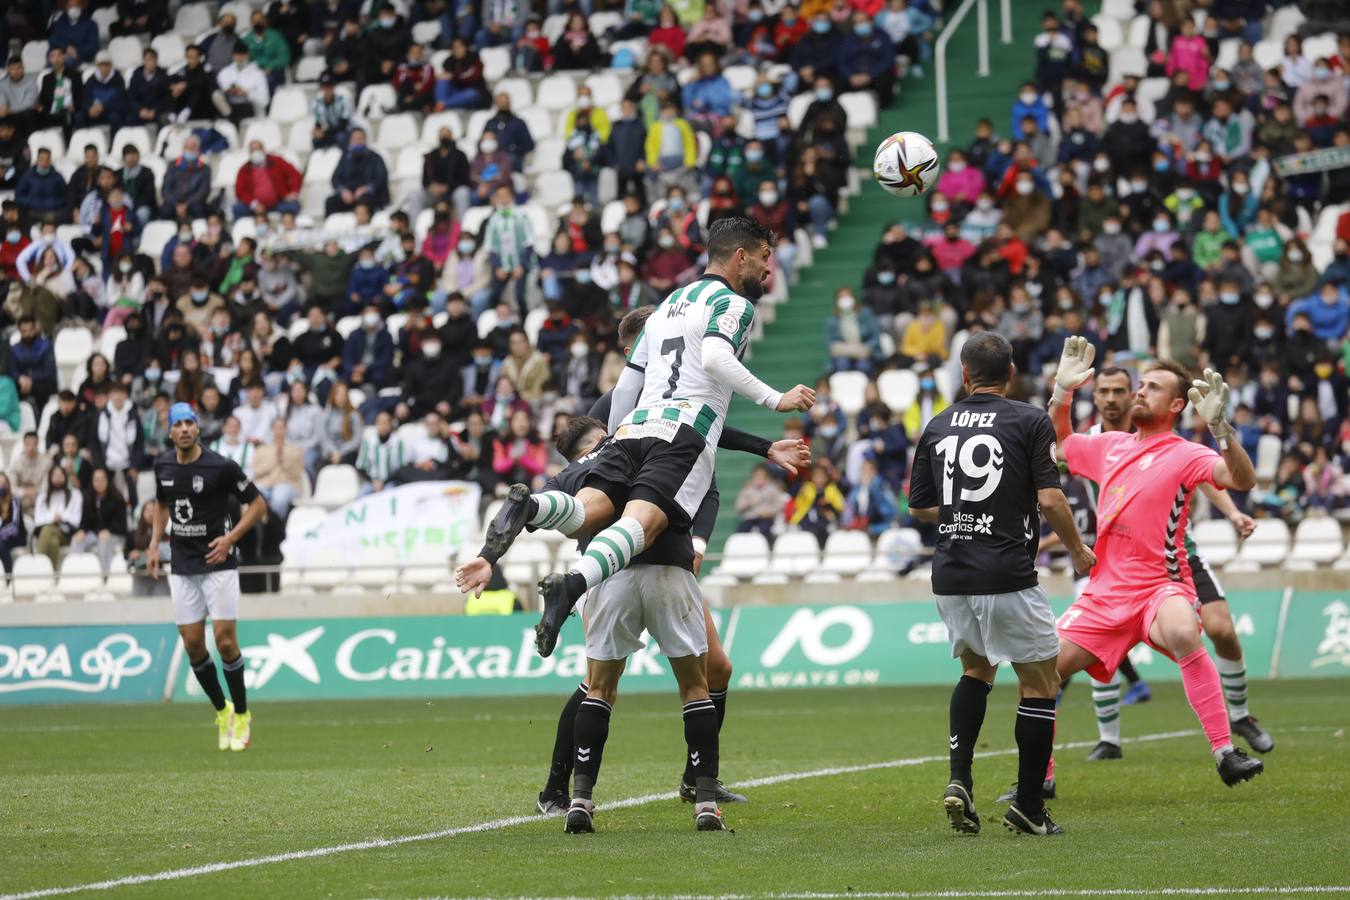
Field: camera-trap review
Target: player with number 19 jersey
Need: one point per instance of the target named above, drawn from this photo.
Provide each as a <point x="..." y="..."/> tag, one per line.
<point x="677" y="390"/>
<point x="981" y="461"/>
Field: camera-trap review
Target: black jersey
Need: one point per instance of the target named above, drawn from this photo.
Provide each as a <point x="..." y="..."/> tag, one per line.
<point x="670" y="549"/>
<point x="980" y="462"/>
<point x="1083" y="504"/>
<point x="198" y="498"/>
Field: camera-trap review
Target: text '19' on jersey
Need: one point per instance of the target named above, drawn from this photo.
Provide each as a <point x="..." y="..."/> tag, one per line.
<point x="981" y="462"/>
<point x="197" y="498"/>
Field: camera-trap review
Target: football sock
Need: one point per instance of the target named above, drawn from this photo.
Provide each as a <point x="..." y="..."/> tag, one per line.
<point x="1035" y="733"/>
<point x="610" y="551"/>
<point x="589" y="736"/>
<point x="970" y="699"/>
<point x="700" y="734"/>
<point x="1106" y="699"/>
<point x="1201" y="681"/>
<point x="205" y="670"/>
<point x="560" y="769"/>
<point x="1233" y="677"/>
<point x="719" y="699"/>
<point x="234" y="677"/>
<point x="1128" y="670"/>
<point x="556" y="511"/>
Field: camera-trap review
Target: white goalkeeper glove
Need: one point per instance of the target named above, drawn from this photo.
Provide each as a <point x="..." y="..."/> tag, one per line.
<point x="1209" y="396"/>
<point x="1075" y="367"/>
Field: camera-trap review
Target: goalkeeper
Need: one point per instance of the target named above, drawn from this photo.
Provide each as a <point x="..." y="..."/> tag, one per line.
<point x="1140" y="588"/>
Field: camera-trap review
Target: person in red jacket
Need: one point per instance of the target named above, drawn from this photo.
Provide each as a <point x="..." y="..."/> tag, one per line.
<point x="415" y="82"/>
<point x="12" y="243"/>
<point x="265" y="184"/>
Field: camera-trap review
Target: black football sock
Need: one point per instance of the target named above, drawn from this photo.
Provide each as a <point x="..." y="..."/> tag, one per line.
<point x="560" y="769"/>
<point x="205" y="670"/>
<point x="970" y="699"/>
<point x="1035" y="734"/>
<point x="589" y="736"/>
<point x="700" y="734"/>
<point x="719" y="699"/>
<point x="234" y="677"/>
<point x="1127" y="669"/>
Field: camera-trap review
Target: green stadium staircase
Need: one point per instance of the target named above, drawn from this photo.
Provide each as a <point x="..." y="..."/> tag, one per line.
<point x="792" y="348"/>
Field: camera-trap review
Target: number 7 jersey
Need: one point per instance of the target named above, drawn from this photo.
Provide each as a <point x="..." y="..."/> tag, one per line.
<point x="981" y="462"/>
<point x="676" y="390"/>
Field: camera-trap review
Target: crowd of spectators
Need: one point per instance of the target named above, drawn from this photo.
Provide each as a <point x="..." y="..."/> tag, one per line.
<point x="1148" y="213"/>
<point x="402" y="341"/>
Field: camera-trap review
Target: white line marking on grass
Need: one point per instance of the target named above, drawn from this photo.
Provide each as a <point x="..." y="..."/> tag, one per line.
<point x="512" y="821"/>
<point x="959" y="895"/>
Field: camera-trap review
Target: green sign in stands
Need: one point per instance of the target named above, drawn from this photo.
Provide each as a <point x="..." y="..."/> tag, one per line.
<point x="1283" y="634"/>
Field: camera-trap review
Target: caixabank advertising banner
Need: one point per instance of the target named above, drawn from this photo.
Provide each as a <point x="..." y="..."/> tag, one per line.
<point x="779" y="647"/>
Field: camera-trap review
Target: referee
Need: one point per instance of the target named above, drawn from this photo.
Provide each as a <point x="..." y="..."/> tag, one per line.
<point x="194" y="487"/>
<point x="980" y="470"/>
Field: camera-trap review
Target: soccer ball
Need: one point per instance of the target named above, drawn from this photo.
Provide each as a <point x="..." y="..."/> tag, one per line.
<point x="906" y="164"/>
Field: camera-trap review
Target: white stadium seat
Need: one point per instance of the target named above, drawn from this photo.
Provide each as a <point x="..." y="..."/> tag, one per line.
<point x="496" y="62"/>
<point x="83" y="137"/>
<point x="540" y="121"/>
<point x="304" y="518"/>
<point x="336" y="486"/>
<point x="108" y="340"/>
<point x="136" y="135"/>
<point x="557" y="92"/>
<point x="73" y="347"/>
<point x="265" y="131"/>
<point x="897" y="548"/>
<point x="518" y="89"/>
<point x="744" y="555"/>
<point x="125" y="52"/>
<point x="376" y="100"/>
<point x="425" y="566"/>
<point x="34" y="56"/>
<point x="396" y="132"/>
<point x="326" y="568"/>
<point x="847" y="552"/>
<point x="1216" y="539"/>
<point x="81" y="573"/>
<point x="898" y="387"/>
<point x="552" y="189"/>
<point x="1268" y="544"/>
<point x="795" y="553"/>
<point x="192" y="20"/>
<point x="51" y="139"/>
<point x="170" y="48"/>
<point x="529" y="560"/>
<point x="606" y="89"/>
<point x="847" y="390"/>
<point x="547" y="156"/>
<point x="1268" y="450"/>
<point x="432" y="125"/>
<point x="1317" y="540"/>
<point x="310" y="68"/>
<point x="32" y="576"/>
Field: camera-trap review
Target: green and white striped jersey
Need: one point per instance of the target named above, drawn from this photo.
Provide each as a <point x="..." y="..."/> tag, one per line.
<point x="676" y="389"/>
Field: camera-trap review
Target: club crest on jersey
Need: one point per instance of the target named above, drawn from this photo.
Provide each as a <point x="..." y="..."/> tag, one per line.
<point x="198" y="484"/>
<point x="1146" y="462"/>
<point x="182" y="510"/>
<point x="729" y="323"/>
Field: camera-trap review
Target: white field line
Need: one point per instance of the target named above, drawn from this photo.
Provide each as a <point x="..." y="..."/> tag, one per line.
<point x="512" y="821"/>
<point x="925" y="895"/>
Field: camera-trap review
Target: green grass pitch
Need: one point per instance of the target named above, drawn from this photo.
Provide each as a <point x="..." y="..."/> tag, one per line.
<point x="89" y="794"/>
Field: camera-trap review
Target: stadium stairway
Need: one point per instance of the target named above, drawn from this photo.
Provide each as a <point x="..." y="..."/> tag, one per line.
<point x="792" y="349"/>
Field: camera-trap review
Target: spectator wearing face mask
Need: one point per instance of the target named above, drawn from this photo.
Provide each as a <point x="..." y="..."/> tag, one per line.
<point x="672" y="151"/>
<point x="360" y="176"/>
<point x="1027" y="210"/>
<point x="266" y="183"/>
<point x="430" y="380"/>
<point x="1324" y="83"/>
<point x="1327" y="311"/>
<point x="760" y="502"/>
<point x="852" y="337"/>
<point x="1296" y="275"/>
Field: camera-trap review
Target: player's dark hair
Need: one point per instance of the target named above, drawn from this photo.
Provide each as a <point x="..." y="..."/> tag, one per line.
<point x="987" y="357"/>
<point x="632" y="324"/>
<point x="726" y="236"/>
<point x="568" y="441"/>
<point x="1112" y="371"/>
<point x="1183" y="374"/>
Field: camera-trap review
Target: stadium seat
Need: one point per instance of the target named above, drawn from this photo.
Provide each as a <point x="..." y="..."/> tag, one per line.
<point x="192" y="20"/>
<point x="310" y="69"/>
<point x="861" y="109"/>
<point x="473" y="129"/>
<point x="125" y="52"/>
<point x="715" y="580"/>
<point x="428" y="32"/>
<point x="822" y="577"/>
<point x="303" y="519"/>
<point x="847" y="552"/>
<point x="112" y="336"/>
<point x="1268" y="450"/>
<point x="534" y="323"/>
<point x="1110" y="34"/>
<point x="1317" y="540"/>
<point x="34" y="56"/>
<point x="541" y="123"/>
<point x="1268" y="52"/>
<point x="1120" y="10"/>
<point x="547" y="156"/>
<point x="83" y="137"/>
<point x="335" y="486"/>
<point x="155" y="235"/>
<point x="265" y="131"/>
<point x="875" y="575"/>
<point x="606" y="89"/>
<point x="375" y="568"/>
<point x="1268" y="545"/>
<point x="1128" y="61"/>
<point x="552" y="189"/>
<point x="432" y="125"/>
<point x="325" y="568"/>
<point x="529" y="560"/>
<point x="795" y="553"/>
<point x="51" y="139"/>
<point x="32" y="576"/>
<point x="397" y="131"/>
<point x="496" y="62"/>
<point x="171" y="49"/>
<point x="898" y="387"/>
<point x="81" y="574"/>
<point x="744" y="555"/>
<point x="227" y="166"/>
<point x="136" y="135"/>
<point x="518" y="89"/>
<point x="797" y="108"/>
<point x="424" y="566"/>
<point x="72" y="347"/>
<point x="897" y="549"/>
<point x="1216" y="539"/>
<point x="1137" y="35"/>
<point x="847" y="390"/>
<point x="376" y="100"/>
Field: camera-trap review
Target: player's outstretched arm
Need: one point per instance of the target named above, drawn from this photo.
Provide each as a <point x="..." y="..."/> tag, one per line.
<point x="792" y="454"/>
<point x="473" y="576"/>
<point x="1055" y="508"/>
<point x="1075" y="368"/>
<point x="1209" y="396"/>
<point x="721" y="365"/>
<point x="624" y="398"/>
